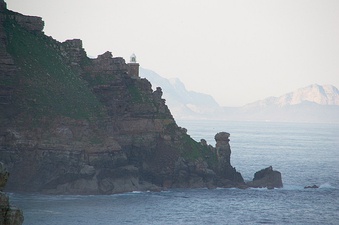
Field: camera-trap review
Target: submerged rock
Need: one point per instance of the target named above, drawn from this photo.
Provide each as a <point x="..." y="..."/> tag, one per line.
<point x="313" y="186"/>
<point x="266" y="178"/>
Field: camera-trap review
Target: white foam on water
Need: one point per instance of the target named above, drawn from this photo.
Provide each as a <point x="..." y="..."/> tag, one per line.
<point x="292" y="187"/>
<point x="327" y="185"/>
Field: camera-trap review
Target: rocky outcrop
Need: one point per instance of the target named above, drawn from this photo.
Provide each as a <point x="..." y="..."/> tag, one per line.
<point x="31" y="23"/>
<point x="73" y="51"/>
<point x="3" y="5"/>
<point x="223" y="147"/>
<point x="106" y="64"/>
<point x="193" y="174"/>
<point x="266" y="178"/>
<point x="9" y="215"/>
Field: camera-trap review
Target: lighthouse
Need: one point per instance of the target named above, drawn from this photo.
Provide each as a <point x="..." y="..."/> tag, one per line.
<point x="133" y="66"/>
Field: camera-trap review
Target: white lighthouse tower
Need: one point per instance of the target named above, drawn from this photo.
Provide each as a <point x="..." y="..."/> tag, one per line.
<point x="133" y="66"/>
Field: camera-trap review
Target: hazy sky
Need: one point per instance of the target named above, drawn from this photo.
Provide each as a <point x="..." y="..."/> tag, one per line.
<point x="237" y="51"/>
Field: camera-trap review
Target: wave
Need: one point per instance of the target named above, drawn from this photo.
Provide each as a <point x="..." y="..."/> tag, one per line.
<point x="37" y="211"/>
<point x="292" y="187"/>
<point x="327" y="185"/>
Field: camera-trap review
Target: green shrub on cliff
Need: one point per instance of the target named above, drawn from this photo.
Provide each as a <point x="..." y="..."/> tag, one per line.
<point x="47" y="86"/>
<point x="193" y="150"/>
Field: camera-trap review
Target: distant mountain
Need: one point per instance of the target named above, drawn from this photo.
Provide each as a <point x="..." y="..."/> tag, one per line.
<point x="183" y="104"/>
<point x="319" y="94"/>
<point x="314" y="103"/>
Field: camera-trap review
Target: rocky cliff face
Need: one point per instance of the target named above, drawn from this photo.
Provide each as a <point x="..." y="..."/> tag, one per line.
<point x="74" y="125"/>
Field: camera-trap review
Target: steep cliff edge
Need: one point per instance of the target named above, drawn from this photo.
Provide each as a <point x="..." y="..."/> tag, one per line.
<point x="74" y="125"/>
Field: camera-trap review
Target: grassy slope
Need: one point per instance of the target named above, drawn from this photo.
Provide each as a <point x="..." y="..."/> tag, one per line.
<point x="47" y="86"/>
<point x="194" y="150"/>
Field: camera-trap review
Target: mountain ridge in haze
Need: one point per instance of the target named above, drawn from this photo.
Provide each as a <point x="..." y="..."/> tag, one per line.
<point x="314" y="103"/>
<point x="319" y="94"/>
<point x="183" y="104"/>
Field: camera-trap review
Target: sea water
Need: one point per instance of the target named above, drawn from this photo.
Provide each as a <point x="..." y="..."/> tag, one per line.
<point x="305" y="154"/>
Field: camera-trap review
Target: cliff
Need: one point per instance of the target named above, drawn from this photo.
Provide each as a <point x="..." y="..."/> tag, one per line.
<point x="74" y="125"/>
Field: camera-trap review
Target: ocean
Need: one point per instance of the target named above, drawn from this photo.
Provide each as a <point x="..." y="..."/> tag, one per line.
<point x="305" y="154"/>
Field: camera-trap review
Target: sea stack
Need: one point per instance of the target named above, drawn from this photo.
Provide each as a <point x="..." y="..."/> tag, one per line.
<point x="223" y="147"/>
<point x="266" y="178"/>
<point x="229" y="177"/>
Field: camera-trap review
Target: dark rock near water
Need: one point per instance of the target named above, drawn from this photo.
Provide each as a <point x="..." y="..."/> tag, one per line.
<point x="3" y="176"/>
<point x="267" y="178"/>
<point x="313" y="186"/>
<point x="9" y="215"/>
